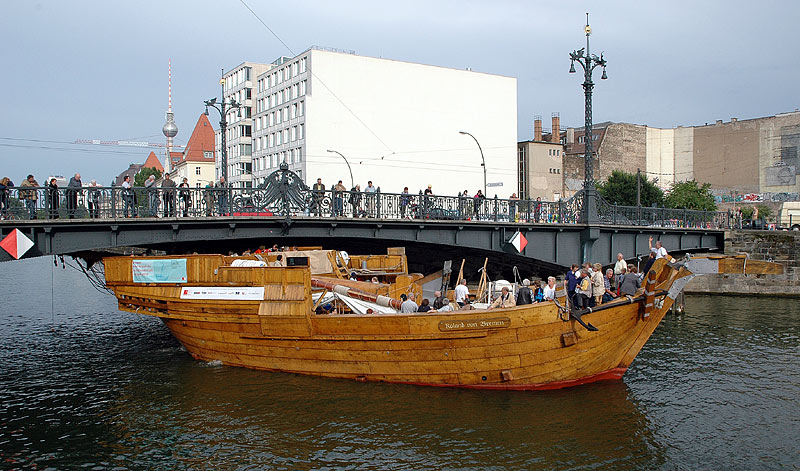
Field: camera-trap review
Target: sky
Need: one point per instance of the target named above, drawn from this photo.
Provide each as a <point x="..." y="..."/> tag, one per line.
<point x="97" y="69"/>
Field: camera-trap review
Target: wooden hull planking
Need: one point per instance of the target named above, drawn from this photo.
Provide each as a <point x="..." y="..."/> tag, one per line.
<point x="521" y="348"/>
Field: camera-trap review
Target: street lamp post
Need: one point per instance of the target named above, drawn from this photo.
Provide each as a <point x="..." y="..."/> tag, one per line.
<point x="589" y="62"/>
<point x="352" y="184"/>
<point x="483" y="161"/>
<point x="223" y="122"/>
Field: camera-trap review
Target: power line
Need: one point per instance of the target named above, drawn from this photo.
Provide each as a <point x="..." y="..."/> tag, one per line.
<point x="67" y="149"/>
<point x="321" y="82"/>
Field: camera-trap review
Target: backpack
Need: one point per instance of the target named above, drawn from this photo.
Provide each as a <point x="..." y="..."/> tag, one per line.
<point x="585" y="284"/>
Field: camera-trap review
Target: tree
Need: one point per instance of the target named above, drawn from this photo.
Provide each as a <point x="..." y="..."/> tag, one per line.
<point x="143" y="174"/>
<point x="691" y="195"/>
<point x="620" y="188"/>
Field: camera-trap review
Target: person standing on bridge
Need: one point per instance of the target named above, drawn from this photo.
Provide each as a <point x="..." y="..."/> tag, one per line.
<point x="512" y="208"/>
<point x="369" y="192"/>
<point x="30" y="195"/>
<point x="93" y="199"/>
<point x="338" y="199"/>
<point x="128" y="201"/>
<point x="5" y="183"/>
<point x="73" y="188"/>
<point x="186" y="196"/>
<point x="152" y="195"/>
<point x="52" y="199"/>
<point x="355" y="200"/>
<point x="222" y="196"/>
<point x="168" y="187"/>
<point x="317" y="197"/>
<point x="479" y="197"/>
<point x="405" y="198"/>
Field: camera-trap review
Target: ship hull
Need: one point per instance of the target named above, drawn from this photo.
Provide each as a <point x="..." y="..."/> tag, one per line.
<point x="532" y="347"/>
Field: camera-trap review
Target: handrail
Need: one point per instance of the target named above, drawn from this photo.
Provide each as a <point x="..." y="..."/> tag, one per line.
<point x="285" y="195"/>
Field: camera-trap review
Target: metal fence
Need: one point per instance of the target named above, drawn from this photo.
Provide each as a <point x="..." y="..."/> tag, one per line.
<point x="286" y="196"/>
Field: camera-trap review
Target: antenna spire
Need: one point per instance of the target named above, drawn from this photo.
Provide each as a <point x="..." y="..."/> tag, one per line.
<point x="170" y="86"/>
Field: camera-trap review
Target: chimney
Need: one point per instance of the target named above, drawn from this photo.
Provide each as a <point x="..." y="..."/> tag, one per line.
<point x="570" y="136"/>
<point x="537" y="128"/>
<point x="555" y="136"/>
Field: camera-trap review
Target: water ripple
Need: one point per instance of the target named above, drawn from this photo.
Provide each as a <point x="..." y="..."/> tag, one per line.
<point x="87" y="387"/>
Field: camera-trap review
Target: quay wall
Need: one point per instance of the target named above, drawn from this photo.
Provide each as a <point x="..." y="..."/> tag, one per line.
<point x="777" y="246"/>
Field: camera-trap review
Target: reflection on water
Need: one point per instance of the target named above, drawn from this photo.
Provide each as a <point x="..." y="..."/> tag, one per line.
<point x="105" y="388"/>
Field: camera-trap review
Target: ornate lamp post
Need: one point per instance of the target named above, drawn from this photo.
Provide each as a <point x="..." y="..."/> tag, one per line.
<point x="223" y="122"/>
<point x="483" y="161"/>
<point x="352" y="184"/>
<point x="589" y="62"/>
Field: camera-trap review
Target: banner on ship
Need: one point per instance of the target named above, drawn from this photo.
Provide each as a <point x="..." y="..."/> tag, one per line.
<point x="171" y="270"/>
<point x="233" y="293"/>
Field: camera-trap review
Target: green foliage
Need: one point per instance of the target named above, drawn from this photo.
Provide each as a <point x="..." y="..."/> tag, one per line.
<point x="620" y="188"/>
<point x="143" y="174"/>
<point x="764" y="211"/>
<point x="691" y="195"/>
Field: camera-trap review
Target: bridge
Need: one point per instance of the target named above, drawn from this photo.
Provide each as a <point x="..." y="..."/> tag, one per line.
<point x="90" y="222"/>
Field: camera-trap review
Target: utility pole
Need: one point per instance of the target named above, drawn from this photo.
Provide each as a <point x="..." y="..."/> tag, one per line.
<point x="638" y="195"/>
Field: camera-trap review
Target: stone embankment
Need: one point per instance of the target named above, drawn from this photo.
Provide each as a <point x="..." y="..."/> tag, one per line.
<point x="777" y="246"/>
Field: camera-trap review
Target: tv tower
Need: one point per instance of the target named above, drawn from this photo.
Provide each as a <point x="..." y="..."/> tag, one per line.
<point x="170" y="129"/>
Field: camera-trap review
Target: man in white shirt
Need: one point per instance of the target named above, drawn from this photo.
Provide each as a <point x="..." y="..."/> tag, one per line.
<point x="549" y="291"/>
<point x="659" y="250"/>
<point x="620" y="265"/>
<point x="462" y="293"/>
<point x="370" y="192"/>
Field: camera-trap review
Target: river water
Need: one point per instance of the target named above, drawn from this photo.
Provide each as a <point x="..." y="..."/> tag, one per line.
<point x="84" y="386"/>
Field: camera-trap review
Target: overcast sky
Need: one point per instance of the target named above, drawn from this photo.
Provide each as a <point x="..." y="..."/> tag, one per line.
<point x="97" y="69"/>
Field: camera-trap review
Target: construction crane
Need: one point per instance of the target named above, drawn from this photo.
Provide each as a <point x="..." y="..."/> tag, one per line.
<point x="99" y="142"/>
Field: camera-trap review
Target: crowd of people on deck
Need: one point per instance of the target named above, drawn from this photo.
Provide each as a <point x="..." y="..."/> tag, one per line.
<point x="586" y="286"/>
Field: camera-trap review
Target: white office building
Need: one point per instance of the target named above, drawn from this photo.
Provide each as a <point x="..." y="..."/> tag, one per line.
<point x="396" y="123"/>
<point x="238" y="85"/>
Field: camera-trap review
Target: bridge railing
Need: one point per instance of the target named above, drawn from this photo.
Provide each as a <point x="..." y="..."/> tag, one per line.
<point x="662" y="217"/>
<point x="291" y="198"/>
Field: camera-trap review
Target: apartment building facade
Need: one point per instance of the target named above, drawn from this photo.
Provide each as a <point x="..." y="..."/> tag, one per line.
<point x="396" y="123"/>
<point x="238" y="84"/>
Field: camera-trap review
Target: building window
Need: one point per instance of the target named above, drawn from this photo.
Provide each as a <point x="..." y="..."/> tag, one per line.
<point x="294" y="111"/>
<point x="301" y="131"/>
<point x="197" y="170"/>
<point x="522" y="179"/>
<point x="293" y="136"/>
<point x="302" y="88"/>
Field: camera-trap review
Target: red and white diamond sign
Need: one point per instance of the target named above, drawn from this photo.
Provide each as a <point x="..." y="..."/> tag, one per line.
<point x="16" y="244"/>
<point x="519" y="241"/>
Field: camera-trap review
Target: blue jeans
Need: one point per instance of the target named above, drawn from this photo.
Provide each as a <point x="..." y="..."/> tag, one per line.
<point x="31" y="205"/>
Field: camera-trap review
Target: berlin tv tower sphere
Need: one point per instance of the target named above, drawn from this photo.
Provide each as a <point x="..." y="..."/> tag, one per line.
<point x="170" y="129"/>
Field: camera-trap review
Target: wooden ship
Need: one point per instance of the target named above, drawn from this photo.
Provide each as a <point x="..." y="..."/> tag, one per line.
<point x="308" y="315"/>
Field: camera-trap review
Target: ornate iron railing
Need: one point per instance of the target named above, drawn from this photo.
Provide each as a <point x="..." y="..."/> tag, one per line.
<point x="285" y="195"/>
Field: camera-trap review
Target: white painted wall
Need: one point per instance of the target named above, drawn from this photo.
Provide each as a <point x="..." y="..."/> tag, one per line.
<point x="398" y="124"/>
<point x="660" y="159"/>
<point x="188" y="170"/>
<point x="684" y="154"/>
